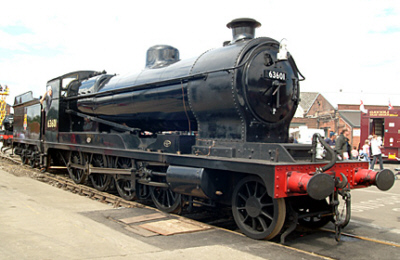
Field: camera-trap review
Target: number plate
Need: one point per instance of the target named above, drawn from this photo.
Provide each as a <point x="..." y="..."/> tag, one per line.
<point x="272" y="74"/>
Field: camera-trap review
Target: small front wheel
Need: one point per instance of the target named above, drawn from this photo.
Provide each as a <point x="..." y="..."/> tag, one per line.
<point x="257" y="214"/>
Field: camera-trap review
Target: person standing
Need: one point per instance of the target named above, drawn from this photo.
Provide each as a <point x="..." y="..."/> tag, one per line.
<point x="365" y="151"/>
<point x="331" y="141"/>
<point x="354" y="153"/>
<point x="376" y="146"/>
<point x="342" y="144"/>
<point x="47" y="99"/>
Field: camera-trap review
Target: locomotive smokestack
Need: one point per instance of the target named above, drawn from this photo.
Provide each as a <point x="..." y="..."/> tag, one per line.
<point x="243" y="28"/>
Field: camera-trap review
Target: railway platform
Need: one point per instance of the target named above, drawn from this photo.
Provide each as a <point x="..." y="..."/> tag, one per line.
<point x="39" y="221"/>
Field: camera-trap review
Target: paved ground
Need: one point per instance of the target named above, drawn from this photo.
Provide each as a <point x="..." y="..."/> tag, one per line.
<point x="39" y="221"/>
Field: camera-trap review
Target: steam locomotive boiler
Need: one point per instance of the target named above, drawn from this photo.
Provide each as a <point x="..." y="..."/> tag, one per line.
<point x="241" y="87"/>
<point x="211" y="130"/>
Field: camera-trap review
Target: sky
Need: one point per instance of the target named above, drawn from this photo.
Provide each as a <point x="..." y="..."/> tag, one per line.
<point x="347" y="50"/>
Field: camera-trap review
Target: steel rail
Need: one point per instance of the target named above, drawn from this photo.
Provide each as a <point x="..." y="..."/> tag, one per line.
<point x="364" y="238"/>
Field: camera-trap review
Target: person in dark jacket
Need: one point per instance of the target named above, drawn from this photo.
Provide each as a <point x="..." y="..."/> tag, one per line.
<point x="342" y="144"/>
<point x="331" y="140"/>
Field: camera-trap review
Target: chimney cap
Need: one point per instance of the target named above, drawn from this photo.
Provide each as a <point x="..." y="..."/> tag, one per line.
<point x="240" y="22"/>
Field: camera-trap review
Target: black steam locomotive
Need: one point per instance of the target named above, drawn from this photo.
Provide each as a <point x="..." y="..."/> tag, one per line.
<point x="211" y="130"/>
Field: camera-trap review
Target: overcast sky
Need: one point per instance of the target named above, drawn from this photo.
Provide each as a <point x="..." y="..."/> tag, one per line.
<point x="347" y="50"/>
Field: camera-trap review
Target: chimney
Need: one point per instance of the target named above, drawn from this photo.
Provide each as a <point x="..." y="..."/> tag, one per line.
<point x="243" y="28"/>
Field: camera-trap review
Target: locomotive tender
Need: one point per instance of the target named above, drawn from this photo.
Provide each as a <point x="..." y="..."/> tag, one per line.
<point x="211" y="130"/>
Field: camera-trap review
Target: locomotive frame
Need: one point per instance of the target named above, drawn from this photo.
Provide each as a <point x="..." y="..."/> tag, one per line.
<point x="218" y="136"/>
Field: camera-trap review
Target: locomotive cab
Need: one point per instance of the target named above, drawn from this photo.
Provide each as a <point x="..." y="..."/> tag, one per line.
<point x="70" y="85"/>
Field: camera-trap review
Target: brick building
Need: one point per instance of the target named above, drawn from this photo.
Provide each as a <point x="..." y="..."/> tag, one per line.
<point x="315" y="111"/>
<point x="350" y="117"/>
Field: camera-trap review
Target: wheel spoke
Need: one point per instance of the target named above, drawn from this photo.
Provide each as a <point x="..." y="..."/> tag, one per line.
<point x="158" y="194"/>
<point x="243" y="197"/>
<point x="168" y="199"/>
<point x="243" y="215"/>
<point x="263" y="205"/>
<point x="142" y="191"/>
<point x="253" y="223"/>
<point x="248" y="190"/>
<point x="262" y="195"/>
<point x="265" y="214"/>
<point x="172" y="196"/>
<point x="263" y="224"/>
<point x="127" y="188"/>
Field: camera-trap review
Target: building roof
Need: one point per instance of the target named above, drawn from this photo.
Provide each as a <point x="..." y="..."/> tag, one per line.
<point x="307" y="99"/>
<point x="353" y="118"/>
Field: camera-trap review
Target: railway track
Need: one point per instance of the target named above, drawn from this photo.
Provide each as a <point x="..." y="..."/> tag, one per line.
<point x="63" y="182"/>
<point x="220" y="220"/>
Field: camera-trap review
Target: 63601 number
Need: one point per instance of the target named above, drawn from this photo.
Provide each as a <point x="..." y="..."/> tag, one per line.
<point x="272" y="74"/>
